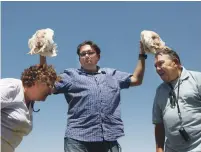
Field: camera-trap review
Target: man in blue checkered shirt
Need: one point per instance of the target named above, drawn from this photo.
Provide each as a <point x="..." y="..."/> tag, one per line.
<point x="93" y="96"/>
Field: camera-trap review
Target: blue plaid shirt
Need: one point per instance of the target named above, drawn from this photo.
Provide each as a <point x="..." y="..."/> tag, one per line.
<point x="93" y="103"/>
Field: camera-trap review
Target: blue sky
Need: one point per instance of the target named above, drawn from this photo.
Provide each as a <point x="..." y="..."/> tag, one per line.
<point x="116" y="28"/>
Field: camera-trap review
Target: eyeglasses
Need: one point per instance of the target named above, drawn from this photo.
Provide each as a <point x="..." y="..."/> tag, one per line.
<point x="82" y="54"/>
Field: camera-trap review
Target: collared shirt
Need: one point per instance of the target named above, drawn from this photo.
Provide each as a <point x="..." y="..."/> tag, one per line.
<point x="16" y="118"/>
<point x="189" y="101"/>
<point x="93" y="103"/>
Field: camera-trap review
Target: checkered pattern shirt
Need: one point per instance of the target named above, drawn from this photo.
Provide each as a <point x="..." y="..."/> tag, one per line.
<point x="93" y="103"/>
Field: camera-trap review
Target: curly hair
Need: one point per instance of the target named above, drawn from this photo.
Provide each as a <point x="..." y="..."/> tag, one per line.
<point x="39" y="73"/>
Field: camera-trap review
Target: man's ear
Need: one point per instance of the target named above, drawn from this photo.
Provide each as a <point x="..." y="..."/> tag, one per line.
<point x="176" y="61"/>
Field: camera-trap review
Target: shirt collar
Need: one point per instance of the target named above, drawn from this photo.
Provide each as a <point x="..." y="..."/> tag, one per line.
<point x="184" y="76"/>
<point x="83" y="71"/>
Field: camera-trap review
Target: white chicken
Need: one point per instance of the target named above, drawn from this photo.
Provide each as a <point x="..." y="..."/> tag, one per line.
<point x="42" y="43"/>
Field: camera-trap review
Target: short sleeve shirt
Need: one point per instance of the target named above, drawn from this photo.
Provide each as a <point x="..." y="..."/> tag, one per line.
<point x="189" y="101"/>
<point x="93" y="103"/>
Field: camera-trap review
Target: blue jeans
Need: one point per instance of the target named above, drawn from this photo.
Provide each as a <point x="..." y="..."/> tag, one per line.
<point x="72" y="145"/>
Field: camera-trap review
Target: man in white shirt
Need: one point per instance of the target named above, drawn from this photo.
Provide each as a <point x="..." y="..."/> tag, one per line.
<point x="17" y="99"/>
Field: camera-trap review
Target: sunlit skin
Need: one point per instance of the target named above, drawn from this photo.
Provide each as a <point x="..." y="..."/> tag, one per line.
<point x="89" y="62"/>
<point x="38" y="92"/>
<point x="168" y="69"/>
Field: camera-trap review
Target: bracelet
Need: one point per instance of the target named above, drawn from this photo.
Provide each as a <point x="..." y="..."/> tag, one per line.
<point x="143" y="56"/>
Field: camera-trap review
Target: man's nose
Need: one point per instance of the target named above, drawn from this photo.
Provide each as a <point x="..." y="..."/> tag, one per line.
<point x="158" y="68"/>
<point x="87" y="55"/>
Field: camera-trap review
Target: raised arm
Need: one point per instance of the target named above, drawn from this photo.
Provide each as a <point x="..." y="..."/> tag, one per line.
<point x="138" y="73"/>
<point x="159" y="137"/>
<point x="43" y="60"/>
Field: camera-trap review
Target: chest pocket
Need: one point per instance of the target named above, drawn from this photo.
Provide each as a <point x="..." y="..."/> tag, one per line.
<point x="111" y="83"/>
<point x="191" y="93"/>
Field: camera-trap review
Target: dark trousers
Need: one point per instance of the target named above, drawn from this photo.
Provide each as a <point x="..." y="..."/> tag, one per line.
<point x="72" y="145"/>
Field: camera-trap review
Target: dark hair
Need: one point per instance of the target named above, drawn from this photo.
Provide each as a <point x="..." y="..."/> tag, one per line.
<point x="92" y="44"/>
<point x="172" y="54"/>
<point x="39" y="73"/>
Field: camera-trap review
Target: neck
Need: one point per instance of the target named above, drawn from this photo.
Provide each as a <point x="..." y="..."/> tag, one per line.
<point x="26" y="95"/>
<point x="91" y="69"/>
<point x="178" y="74"/>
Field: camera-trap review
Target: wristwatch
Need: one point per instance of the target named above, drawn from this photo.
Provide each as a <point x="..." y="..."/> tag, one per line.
<point x="143" y="56"/>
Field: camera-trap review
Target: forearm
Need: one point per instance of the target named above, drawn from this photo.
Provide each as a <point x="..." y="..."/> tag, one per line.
<point x="43" y="60"/>
<point x="138" y="73"/>
<point x="159" y="137"/>
<point x="159" y="150"/>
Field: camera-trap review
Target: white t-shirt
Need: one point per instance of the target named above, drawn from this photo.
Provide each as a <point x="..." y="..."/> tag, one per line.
<point x="16" y="118"/>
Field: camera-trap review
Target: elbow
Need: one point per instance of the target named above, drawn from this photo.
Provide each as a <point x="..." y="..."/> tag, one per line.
<point x="136" y="81"/>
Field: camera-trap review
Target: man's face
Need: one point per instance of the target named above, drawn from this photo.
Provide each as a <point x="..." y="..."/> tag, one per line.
<point x="88" y="57"/>
<point x="41" y="91"/>
<point x="166" y="68"/>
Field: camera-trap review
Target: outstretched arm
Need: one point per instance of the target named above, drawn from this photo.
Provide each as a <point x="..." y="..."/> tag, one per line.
<point x="138" y="74"/>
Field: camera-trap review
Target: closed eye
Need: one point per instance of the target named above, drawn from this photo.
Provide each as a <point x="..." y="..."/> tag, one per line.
<point x="159" y="63"/>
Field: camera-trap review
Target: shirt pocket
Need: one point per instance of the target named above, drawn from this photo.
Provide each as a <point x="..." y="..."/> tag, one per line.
<point x="111" y="83"/>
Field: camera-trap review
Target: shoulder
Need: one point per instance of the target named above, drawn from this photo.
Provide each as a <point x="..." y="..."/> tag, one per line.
<point x="195" y="75"/>
<point x="11" y="82"/>
<point x="161" y="86"/>
<point x="69" y="74"/>
<point x="10" y="85"/>
<point x="160" y="90"/>
<point x="109" y="71"/>
<point x="69" y="71"/>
